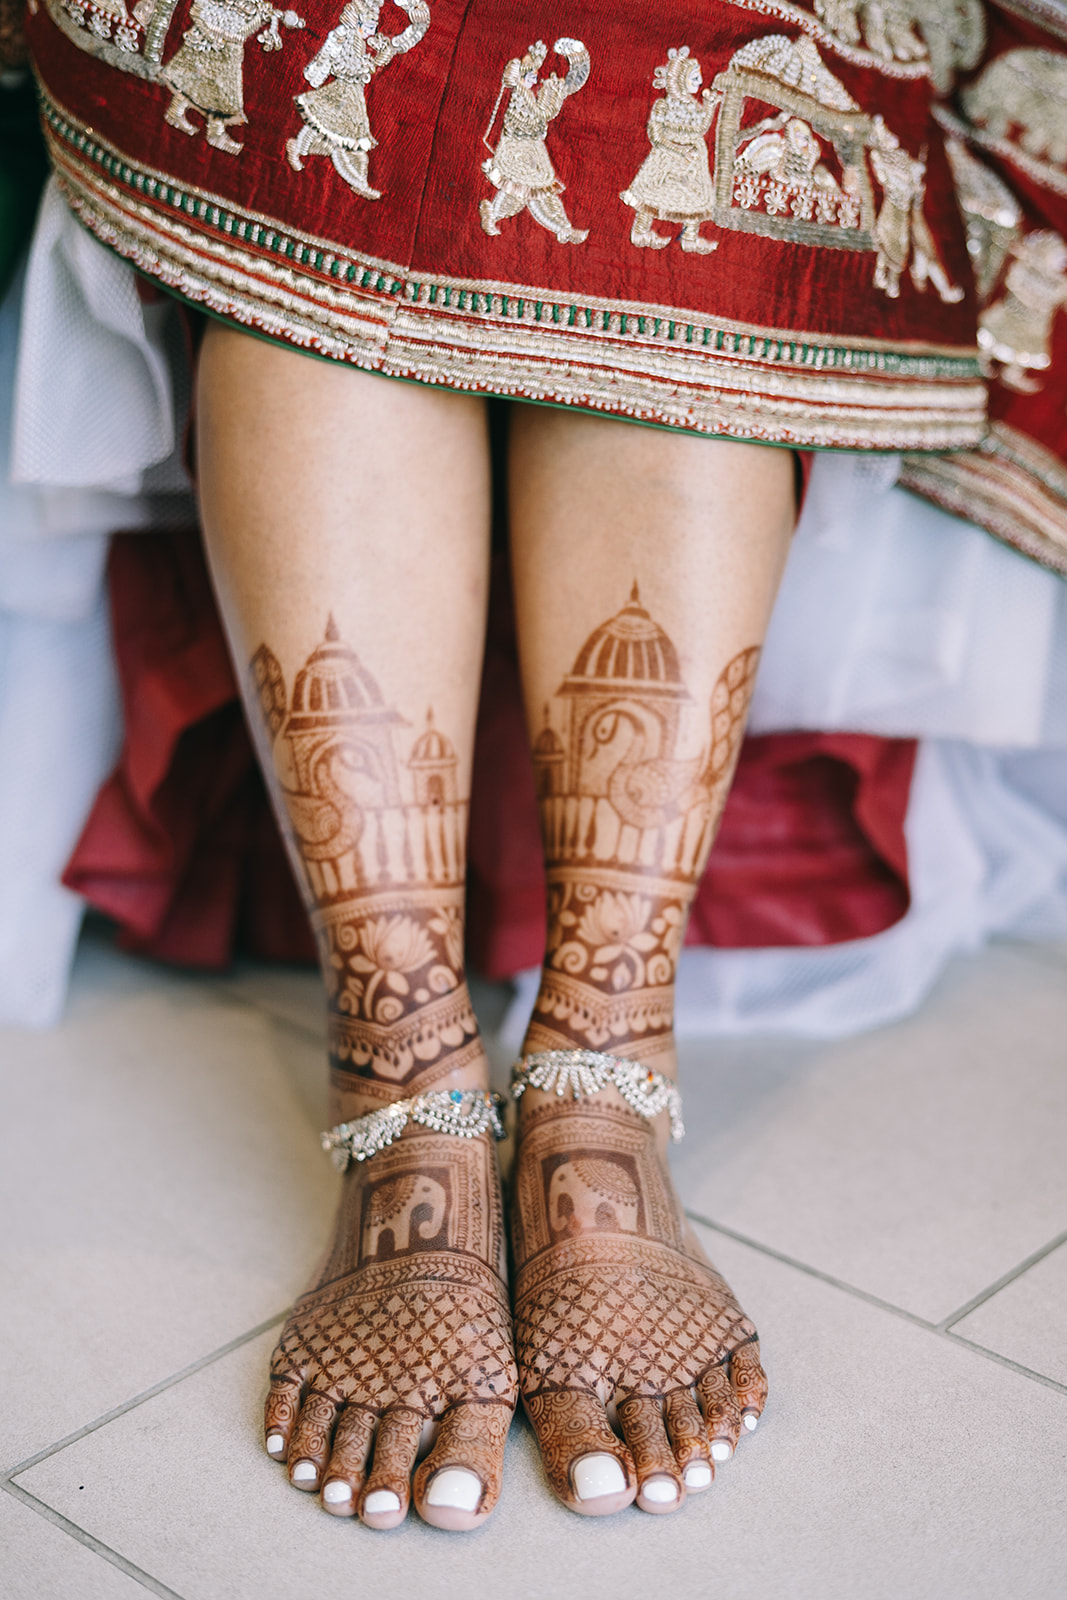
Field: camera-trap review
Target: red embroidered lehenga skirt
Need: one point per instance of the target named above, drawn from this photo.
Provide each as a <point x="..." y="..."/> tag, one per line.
<point x="809" y="223"/>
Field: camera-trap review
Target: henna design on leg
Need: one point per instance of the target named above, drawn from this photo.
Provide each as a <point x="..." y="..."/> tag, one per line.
<point x="406" y="1324"/>
<point x="613" y="1297"/>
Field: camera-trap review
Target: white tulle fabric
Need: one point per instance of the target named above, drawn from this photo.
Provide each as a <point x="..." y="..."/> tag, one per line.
<point x="894" y="619"/>
<point x="87" y="446"/>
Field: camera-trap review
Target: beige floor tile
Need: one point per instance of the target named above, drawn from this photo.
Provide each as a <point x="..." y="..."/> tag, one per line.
<point x="163" y="1188"/>
<point x="292" y="994"/>
<point x="920" y="1162"/>
<point x="1027" y="1320"/>
<point x="875" y="1475"/>
<point x="39" y="1561"/>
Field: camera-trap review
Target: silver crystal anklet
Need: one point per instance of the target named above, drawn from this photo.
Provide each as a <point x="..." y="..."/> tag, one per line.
<point x="463" y="1112"/>
<point x="578" y="1072"/>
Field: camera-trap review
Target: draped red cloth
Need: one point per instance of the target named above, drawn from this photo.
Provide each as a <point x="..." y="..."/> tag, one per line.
<point x="182" y="851"/>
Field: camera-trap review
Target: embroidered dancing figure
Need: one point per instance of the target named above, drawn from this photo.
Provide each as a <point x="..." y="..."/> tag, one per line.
<point x="206" y="73"/>
<point x="336" y="123"/>
<point x="519" y="168"/>
<point x="674" y="184"/>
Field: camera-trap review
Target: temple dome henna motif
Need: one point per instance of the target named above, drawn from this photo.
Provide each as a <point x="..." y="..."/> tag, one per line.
<point x="632" y="646"/>
<point x="433" y="764"/>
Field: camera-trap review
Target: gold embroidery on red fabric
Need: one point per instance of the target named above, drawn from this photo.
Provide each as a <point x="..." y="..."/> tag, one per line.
<point x="992" y="214"/>
<point x="334" y="109"/>
<point x="776" y="174"/>
<point x="1018" y="106"/>
<point x="519" y="166"/>
<point x="206" y="72"/>
<point x="674" y="183"/>
<point x="632" y="359"/>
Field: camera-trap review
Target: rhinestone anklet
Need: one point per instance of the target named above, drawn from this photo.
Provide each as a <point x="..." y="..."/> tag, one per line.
<point x="578" y="1072"/>
<point x="466" y="1113"/>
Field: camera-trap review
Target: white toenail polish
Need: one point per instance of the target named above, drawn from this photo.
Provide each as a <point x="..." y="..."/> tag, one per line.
<point x="336" y="1493"/>
<point x="305" y="1472"/>
<point x="381" y="1501"/>
<point x="598" y="1475"/>
<point x="750" y="1419"/>
<point x="275" y="1444"/>
<point x="457" y="1488"/>
<point x="661" y="1491"/>
<point x="721" y="1451"/>
<point x="698" y="1476"/>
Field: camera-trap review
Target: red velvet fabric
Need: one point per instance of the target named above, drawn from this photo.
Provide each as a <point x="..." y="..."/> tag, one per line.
<point x="181" y="848"/>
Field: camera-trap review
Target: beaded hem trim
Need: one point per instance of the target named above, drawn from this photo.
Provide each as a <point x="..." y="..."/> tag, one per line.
<point x="578" y="1072"/>
<point x="465" y="1113"/>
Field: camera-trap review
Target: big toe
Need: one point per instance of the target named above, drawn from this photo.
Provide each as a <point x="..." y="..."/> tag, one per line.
<point x="588" y="1467"/>
<point x="458" y="1484"/>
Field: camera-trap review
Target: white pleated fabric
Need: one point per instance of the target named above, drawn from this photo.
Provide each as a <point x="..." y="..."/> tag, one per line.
<point x="87" y="446"/>
<point x="894" y="619"/>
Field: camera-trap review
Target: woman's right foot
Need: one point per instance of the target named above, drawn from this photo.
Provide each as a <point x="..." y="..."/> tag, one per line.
<point x="403" y="1336"/>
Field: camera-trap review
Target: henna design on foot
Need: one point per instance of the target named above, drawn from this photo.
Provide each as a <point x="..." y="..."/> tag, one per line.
<point x="614" y="1300"/>
<point x="406" y="1329"/>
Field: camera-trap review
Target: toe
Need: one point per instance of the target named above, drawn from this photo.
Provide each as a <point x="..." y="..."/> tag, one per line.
<point x="722" y="1414"/>
<point x="749" y="1382"/>
<point x="458" y="1484"/>
<point x="347" y="1467"/>
<point x="279" y="1414"/>
<point x="309" y="1446"/>
<point x="387" y="1490"/>
<point x="659" y="1483"/>
<point x="585" y="1463"/>
<point x="689" y="1440"/>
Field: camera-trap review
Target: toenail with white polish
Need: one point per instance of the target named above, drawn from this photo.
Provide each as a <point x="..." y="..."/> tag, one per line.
<point x="661" y="1491"/>
<point x="721" y="1451"/>
<point x="381" y="1501"/>
<point x="456" y="1488"/>
<point x="336" y="1493"/>
<point x="750" y="1420"/>
<point x="275" y="1444"/>
<point x="598" y="1475"/>
<point x="698" y="1476"/>
<point x="305" y="1472"/>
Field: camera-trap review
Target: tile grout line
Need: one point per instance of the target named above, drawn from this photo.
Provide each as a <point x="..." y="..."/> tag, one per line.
<point x="979" y="1299"/>
<point x="97" y="1546"/>
<point x="7" y="1477"/>
<point x="1002" y="1361"/>
<point x="813" y="1272"/>
<point x="939" y="1329"/>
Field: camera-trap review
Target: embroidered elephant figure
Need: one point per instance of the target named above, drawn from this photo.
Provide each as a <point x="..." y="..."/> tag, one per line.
<point x="1025" y="90"/>
<point x="392" y="1209"/>
<point x="593" y="1193"/>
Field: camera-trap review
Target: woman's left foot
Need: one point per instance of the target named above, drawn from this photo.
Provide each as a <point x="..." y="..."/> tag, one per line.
<point x="619" y="1317"/>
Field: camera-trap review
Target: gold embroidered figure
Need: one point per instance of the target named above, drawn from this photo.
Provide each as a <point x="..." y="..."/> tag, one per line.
<point x="946" y="34"/>
<point x="1021" y="98"/>
<point x="206" y="73"/>
<point x="519" y="168"/>
<point x="1015" y="332"/>
<point x="805" y="174"/>
<point x="993" y="216"/>
<point x="674" y="184"/>
<point x="336" y="123"/>
<point x="901" y="231"/>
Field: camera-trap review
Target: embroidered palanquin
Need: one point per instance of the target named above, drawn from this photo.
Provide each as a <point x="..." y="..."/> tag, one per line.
<point x="737" y="218"/>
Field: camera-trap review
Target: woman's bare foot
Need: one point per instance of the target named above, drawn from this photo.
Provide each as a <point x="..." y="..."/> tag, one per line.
<point x="403" y="1341"/>
<point x="619" y="1317"/>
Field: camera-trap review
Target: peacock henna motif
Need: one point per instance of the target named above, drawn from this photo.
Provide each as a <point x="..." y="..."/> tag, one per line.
<point x="628" y="825"/>
<point x="379" y="844"/>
